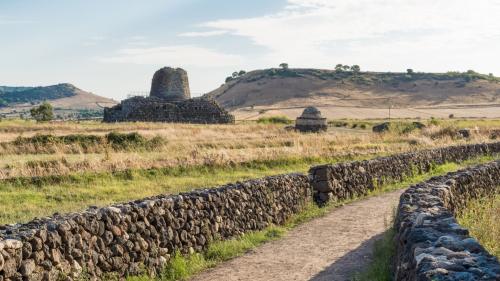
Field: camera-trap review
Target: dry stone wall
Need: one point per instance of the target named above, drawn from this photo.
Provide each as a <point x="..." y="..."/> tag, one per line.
<point x="347" y="180"/>
<point x="142" y="235"/>
<point x="126" y="238"/>
<point x="430" y="244"/>
<point x="153" y="109"/>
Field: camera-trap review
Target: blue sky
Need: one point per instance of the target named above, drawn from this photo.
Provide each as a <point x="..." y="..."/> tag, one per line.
<point x="113" y="47"/>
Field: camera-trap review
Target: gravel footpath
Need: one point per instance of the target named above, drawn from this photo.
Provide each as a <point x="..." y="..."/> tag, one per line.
<point x="332" y="247"/>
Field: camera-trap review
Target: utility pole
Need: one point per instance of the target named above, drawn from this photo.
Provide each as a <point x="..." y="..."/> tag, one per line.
<point x="390" y="106"/>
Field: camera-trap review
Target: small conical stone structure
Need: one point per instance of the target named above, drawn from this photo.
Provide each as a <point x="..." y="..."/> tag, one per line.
<point x="170" y="84"/>
<point x="311" y="121"/>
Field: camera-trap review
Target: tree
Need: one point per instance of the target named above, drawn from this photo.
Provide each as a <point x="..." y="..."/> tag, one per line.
<point x="346" y="67"/>
<point x="284" y="65"/>
<point x="338" y="67"/>
<point x="409" y="71"/>
<point x="42" y="113"/>
<point x="235" y="74"/>
<point x="229" y="78"/>
<point x="355" y="68"/>
<point x="242" y="72"/>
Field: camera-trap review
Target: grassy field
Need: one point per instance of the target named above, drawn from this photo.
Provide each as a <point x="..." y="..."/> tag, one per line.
<point x="68" y="166"/>
<point x="172" y="145"/>
<point x="21" y="199"/>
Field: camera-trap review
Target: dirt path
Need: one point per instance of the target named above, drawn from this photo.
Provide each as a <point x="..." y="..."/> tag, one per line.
<point x="332" y="247"/>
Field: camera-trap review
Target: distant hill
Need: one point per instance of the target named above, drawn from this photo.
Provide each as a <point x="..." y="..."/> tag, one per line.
<point x="65" y="98"/>
<point x="353" y="94"/>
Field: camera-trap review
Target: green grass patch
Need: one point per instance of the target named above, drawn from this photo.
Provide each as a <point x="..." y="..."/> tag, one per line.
<point x="113" y="140"/>
<point x="482" y="217"/>
<point x="274" y="120"/>
<point x="22" y="199"/>
<point x="383" y="253"/>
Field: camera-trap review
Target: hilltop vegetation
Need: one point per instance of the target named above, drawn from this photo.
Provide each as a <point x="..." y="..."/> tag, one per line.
<point x="10" y="95"/>
<point x="67" y="100"/>
<point x="349" y="92"/>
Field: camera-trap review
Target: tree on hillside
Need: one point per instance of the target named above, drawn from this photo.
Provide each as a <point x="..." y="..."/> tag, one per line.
<point x="355" y="68"/>
<point x="346" y="67"/>
<point x="284" y="65"/>
<point x="235" y="74"/>
<point x="42" y="113"/>
<point x="242" y="72"/>
<point x="338" y="67"/>
<point x="409" y="71"/>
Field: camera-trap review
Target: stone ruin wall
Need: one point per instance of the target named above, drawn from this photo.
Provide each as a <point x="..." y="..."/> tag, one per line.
<point x="430" y="244"/>
<point x="352" y="179"/>
<point x="143" y="234"/>
<point x="196" y="110"/>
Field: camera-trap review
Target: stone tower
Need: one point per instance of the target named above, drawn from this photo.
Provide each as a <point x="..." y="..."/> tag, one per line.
<point x="311" y="121"/>
<point x="170" y="84"/>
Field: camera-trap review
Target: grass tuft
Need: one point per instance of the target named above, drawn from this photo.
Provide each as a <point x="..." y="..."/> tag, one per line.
<point x="274" y="120"/>
<point x="383" y="253"/>
<point x="481" y="217"/>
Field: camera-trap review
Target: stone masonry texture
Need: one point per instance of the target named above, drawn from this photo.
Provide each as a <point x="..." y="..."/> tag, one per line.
<point x="430" y="244"/>
<point x="348" y="180"/>
<point x="143" y="234"/>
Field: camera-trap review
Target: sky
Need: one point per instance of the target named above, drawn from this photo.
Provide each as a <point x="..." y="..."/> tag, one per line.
<point x="113" y="47"/>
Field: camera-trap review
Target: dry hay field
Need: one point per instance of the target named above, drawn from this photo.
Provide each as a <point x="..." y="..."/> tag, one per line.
<point x="68" y="166"/>
<point x="336" y="111"/>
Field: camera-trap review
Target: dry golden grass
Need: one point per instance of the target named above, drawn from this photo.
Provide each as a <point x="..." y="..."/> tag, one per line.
<point x="208" y="145"/>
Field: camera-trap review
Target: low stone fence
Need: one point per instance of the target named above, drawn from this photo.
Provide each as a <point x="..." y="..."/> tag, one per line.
<point x="129" y="238"/>
<point x="351" y="179"/>
<point x="430" y="244"/>
<point x="143" y="234"/>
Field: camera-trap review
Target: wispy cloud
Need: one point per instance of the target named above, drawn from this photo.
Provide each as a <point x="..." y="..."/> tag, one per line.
<point x="319" y="32"/>
<point x="177" y="55"/>
<point x="204" y="33"/>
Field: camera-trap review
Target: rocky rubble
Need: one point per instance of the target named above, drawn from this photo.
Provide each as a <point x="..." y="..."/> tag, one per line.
<point x="347" y="180"/>
<point x="430" y="244"/>
<point x="142" y="235"/>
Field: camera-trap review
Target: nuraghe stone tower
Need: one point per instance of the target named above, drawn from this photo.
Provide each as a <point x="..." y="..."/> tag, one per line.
<point x="169" y="101"/>
<point x="311" y="121"/>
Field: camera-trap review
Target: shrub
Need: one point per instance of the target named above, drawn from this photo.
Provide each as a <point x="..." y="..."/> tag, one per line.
<point x="434" y="121"/>
<point x="42" y="113"/>
<point x="449" y="131"/>
<point x="274" y="120"/>
<point x="124" y="141"/>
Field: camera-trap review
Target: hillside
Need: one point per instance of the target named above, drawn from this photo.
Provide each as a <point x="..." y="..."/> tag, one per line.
<point x="348" y="94"/>
<point x="67" y="100"/>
